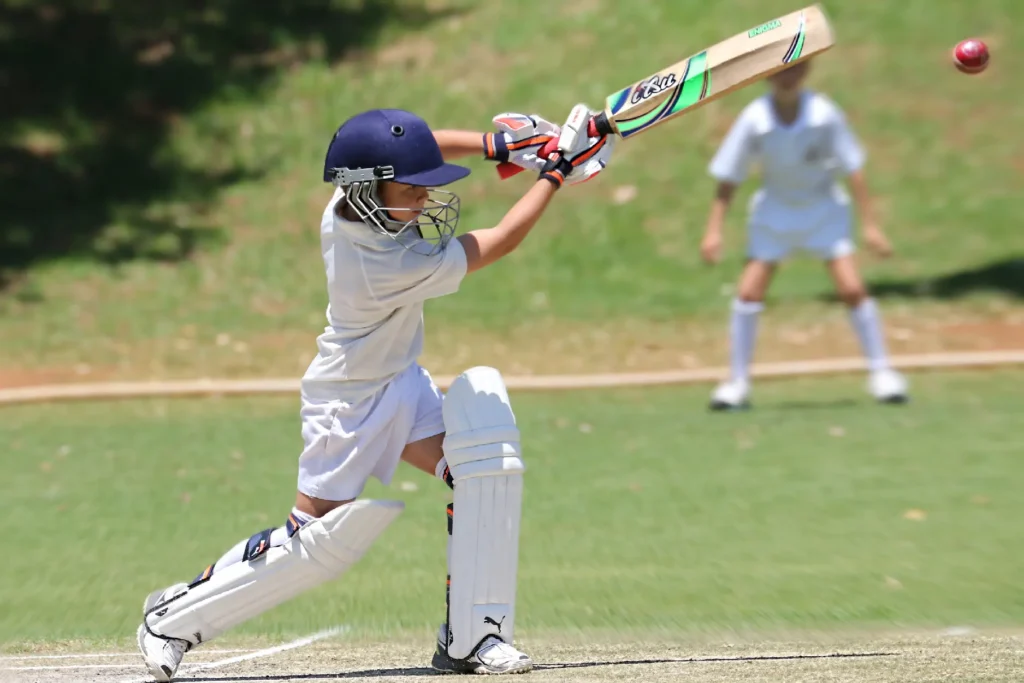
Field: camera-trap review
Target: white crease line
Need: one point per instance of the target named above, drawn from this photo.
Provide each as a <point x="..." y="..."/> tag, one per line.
<point x="266" y="652"/>
<point x="301" y="642"/>
<point x="59" y="667"/>
<point x="12" y="658"/>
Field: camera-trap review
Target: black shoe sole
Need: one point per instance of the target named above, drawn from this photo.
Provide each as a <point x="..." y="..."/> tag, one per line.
<point x="443" y="663"/>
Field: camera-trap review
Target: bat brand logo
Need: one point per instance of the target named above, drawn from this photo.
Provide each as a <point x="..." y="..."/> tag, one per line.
<point x="496" y="624"/>
<point x="764" y="28"/>
<point x="652" y="86"/>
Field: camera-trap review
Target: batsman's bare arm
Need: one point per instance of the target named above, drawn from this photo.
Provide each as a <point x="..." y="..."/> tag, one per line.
<point x="484" y="247"/>
<point x="457" y="144"/>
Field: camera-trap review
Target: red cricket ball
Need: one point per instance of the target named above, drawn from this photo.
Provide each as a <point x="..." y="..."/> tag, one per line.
<point x="970" y="56"/>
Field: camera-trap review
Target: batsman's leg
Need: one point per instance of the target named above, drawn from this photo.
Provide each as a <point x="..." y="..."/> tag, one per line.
<point x="230" y="592"/>
<point x="483" y="465"/>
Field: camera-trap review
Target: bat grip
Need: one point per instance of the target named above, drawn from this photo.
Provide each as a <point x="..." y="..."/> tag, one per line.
<point x="507" y="170"/>
<point x="551" y="147"/>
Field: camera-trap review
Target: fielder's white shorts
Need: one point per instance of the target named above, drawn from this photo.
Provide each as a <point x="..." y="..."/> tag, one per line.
<point x="347" y="443"/>
<point x="776" y="230"/>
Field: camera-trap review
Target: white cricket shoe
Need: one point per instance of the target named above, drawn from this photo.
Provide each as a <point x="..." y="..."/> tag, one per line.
<point x="162" y="655"/>
<point x="888" y="386"/>
<point x="731" y="395"/>
<point x="492" y="656"/>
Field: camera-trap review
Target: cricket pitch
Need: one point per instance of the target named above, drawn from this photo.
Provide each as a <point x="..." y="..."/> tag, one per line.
<point x="962" y="657"/>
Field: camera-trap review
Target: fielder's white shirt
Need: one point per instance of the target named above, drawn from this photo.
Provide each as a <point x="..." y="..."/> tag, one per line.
<point x="376" y="289"/>
<point x="799" y="162"/>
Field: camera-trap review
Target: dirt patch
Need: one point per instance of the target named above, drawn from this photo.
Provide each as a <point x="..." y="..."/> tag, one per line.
<point x="543" y="347"/>
<point x="28" y="377"/>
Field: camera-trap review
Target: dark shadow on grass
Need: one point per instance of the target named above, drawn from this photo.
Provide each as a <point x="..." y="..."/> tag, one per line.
<point x="89" y="92"/>
<point x="424" y="671"/>
<point x="1005" y="276"/>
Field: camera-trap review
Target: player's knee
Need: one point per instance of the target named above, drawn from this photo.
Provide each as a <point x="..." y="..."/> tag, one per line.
<point x="852" y="295"/>
<point x="754" y="282"/>
<point x="751" y="292"/>
<point x="481" y="432"/>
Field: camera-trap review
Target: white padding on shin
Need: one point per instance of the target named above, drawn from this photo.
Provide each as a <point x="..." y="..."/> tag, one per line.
<point x="321" y="551"/>
<point x="481" y="446"/>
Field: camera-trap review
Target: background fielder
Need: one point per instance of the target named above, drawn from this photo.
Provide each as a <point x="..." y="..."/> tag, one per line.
<point x="802" y="143"/>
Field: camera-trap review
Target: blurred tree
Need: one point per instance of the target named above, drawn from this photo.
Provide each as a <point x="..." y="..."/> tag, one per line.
<point x="89" y="89"/>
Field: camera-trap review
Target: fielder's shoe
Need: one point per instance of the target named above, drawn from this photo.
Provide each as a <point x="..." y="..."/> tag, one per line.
<point x="492" y="656"/>
<point x="888" y="386"/>
<point x="162" y="655"/>
<point x="731" y="395"/>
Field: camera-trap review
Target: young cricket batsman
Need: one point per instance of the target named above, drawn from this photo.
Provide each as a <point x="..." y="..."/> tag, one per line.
<point x="388" y="245"/>
<point x="803" y="145"/>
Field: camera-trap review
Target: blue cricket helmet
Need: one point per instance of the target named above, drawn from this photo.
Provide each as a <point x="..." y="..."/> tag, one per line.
<point x="395" y="138"/>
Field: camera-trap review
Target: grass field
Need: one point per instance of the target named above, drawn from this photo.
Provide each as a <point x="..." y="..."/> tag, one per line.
<point x="215" y="270"/>
<point x="819" y="512"/>
<point x="160" y="197"/>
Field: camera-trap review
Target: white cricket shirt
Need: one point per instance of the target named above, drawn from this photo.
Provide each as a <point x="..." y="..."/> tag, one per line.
<point x="376" y="289"/>
<point x="799" y="162"/>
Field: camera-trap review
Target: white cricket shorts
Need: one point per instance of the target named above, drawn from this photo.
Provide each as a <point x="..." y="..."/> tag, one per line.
<point x="347" y="443"/>
<point x="776" y="230"/>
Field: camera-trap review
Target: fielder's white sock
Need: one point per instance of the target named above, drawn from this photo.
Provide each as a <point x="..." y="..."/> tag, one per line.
<point x="743" y="336"/>
<point x="868" y="326"/>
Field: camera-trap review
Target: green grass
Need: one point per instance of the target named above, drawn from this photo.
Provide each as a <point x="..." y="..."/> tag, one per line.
<point x="944" y="151"/>
<point x="819" y="510"/>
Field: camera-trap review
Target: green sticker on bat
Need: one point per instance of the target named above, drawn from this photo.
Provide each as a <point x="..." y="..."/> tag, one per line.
<point x="764" y="28"/>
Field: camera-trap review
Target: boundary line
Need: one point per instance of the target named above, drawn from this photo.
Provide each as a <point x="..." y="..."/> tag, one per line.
<point x="252" y="387"/>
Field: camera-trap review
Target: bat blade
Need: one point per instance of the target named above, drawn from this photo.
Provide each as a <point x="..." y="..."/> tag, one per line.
<point x="717" y="71"/>
<point x="723" y="68"/>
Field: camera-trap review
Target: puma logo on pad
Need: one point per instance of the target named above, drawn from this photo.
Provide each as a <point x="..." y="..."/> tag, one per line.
<point x="496" y="624"/>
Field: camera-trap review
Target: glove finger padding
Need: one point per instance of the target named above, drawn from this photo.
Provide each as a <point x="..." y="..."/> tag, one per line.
<point x="518" y="139"/>
<point x="520" y="126"/>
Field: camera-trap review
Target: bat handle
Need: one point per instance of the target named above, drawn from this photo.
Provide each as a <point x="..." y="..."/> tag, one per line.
<point x="507" y="170"/>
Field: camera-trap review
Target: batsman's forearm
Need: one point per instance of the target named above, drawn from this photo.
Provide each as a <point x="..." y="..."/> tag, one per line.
<point x="484" y="247"/>
<point x="527" y="211"/>
<point x="456" y="144"/>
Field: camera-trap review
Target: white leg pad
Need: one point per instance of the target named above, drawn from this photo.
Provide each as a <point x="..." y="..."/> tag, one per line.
<point x="319" y="552"/>
<point x="482" y="449"/>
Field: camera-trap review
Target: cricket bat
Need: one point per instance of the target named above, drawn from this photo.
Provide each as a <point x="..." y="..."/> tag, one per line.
<point x="706" y="76"/>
